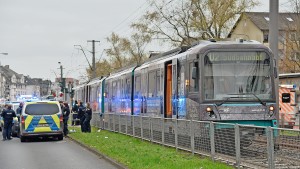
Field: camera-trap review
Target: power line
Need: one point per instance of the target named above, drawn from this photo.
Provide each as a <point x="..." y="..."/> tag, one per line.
<point x="126" y="18"/>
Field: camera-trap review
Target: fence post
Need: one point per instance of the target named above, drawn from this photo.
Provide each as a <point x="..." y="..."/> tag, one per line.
<point x="237" y="145"/>
<point x="114" y="122"/>
<point x="120" y="131"/>
<point x="151" y="130"/>
<point x="133" y="126"/>
<point x="142" y="132"/>
<point x="163" y="131"/>
<point x="109" y="121"/>
<point x="192" y="136"/>
<point x="282" y="120"/>
<point x="176" y="134"/>
<point x="126" y="124"/>
<point x="212" y="140"/>
<point x="270" y="141"/>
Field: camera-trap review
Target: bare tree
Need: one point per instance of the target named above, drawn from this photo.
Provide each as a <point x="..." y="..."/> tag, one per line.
<point x="117" y="51"/>
<point x="103" y="68"/>
<point x="181" y="22"/>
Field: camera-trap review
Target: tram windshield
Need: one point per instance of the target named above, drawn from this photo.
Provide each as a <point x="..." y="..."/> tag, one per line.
<point x="240" y="75"/>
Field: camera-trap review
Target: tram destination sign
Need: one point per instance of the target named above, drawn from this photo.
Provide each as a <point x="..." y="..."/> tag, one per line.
<point x="236" y="56"/>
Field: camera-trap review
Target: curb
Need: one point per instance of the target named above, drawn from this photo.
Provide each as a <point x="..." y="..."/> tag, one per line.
<point x="96" y="152"/>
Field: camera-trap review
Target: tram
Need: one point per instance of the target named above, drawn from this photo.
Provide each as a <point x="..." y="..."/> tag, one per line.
<point x="220" y="81"/>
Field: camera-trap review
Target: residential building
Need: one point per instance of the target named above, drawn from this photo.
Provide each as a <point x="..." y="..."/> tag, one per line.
<point x="32" y="87"/>
<point x="255" y="26"/>
<point x="12" y="84"/>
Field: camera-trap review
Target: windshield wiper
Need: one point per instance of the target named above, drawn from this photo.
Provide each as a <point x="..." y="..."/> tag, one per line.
<point x="261" y="102"/>
<point x="227" y="98"/>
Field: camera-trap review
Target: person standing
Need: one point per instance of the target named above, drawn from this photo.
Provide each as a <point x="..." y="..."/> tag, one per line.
<point x="88" y="117"/>
<point x="8" y="115"/>
<point x="66" y="113"/>
<point x="81" y="110"/>
<point x="19" y="111"/>
<point x="74" y="113"/>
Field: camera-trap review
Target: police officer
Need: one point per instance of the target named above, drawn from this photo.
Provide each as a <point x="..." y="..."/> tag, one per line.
<point x="88" y="117"/>
<point x="66" y="113"/>
<point x="8" y="115"/>
<point x="81" y="116"/>
<point x="74" y="113"/>
<point x="19" y="111"/>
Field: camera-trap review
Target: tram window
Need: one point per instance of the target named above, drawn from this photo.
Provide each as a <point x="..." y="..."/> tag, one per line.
<point x="137" y="84"/>
<point x="152" y="84"/>
<point x="114" y="89"/>
<point x="127" y="88"/>
<point x="106" y="89"/>
<point x="157" y="81"/>
<point x="194" y="77"/>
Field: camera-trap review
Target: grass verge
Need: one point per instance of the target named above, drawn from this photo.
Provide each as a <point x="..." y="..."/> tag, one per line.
<point x="137" y="154"/>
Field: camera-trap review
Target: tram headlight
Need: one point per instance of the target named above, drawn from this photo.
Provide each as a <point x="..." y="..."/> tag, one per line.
<point x="210" y="112"/>
<point x="208" y="109"/>
<point x="271" y="111"/>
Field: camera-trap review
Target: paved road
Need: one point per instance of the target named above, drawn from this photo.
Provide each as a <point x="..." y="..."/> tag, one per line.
<point x="48" y="154"/>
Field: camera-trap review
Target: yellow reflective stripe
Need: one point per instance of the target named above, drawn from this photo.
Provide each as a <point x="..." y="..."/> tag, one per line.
<point x="56" y="119"/>
<point x="28" y="121"/>
<point x="42" y="129"/>
<point x="42" y="120"/>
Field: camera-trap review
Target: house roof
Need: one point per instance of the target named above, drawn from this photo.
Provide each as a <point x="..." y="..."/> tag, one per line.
<point x="286" y="21"/>
<point x="7" y="72"/>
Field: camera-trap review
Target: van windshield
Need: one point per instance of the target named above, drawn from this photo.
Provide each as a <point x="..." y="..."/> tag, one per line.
<point x="41" y="109"/>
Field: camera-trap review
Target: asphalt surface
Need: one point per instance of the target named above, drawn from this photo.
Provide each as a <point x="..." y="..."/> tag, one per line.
<point x="48" y="154"/>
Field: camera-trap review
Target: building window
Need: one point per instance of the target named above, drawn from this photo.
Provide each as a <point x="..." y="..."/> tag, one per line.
<point x="266" y="38"/>
<point x="295" y="56"/>
<point x="293" y="36"/>
<point x="290" y="19"/>
<point x="267" y="18"/>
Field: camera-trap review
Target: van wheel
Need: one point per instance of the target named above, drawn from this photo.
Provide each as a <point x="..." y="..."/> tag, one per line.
<point x="60" y="137"/>
<point x="22" y="139"/>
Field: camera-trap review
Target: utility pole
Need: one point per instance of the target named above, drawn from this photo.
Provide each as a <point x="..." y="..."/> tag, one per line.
<point x="94" y="60"/>
<point x="62" y="81"/>
<point x="273" y="41"/>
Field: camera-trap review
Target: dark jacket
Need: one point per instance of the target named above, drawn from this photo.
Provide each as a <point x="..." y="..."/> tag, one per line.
<point x="66" y="112"/>
<point x="81" y="111"/>
<point x="88" y="114"/>
<point x="75" y="108"/>
<point x="8" y="114"/>
<point x="19" y="110"/>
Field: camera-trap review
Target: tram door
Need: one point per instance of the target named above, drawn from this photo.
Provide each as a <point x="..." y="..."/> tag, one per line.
<point x="171" y="89"/>
<point x="168" y="91"/>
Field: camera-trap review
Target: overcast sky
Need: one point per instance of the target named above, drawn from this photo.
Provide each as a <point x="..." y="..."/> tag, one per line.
<point x="38" y="34"/>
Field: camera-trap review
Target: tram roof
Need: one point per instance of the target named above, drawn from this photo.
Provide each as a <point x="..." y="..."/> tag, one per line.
<point x="287" y="75"/>
<point x="95" y="81"/>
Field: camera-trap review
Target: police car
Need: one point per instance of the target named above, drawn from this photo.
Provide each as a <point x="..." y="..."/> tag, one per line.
<point x="41" y="118"/>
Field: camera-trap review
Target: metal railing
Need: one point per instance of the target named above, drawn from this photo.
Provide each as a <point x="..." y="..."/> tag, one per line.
<point x="239" y="145"/>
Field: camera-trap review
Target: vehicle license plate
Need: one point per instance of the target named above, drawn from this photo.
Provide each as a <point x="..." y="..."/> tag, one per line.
<point x="42" y="125"/>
